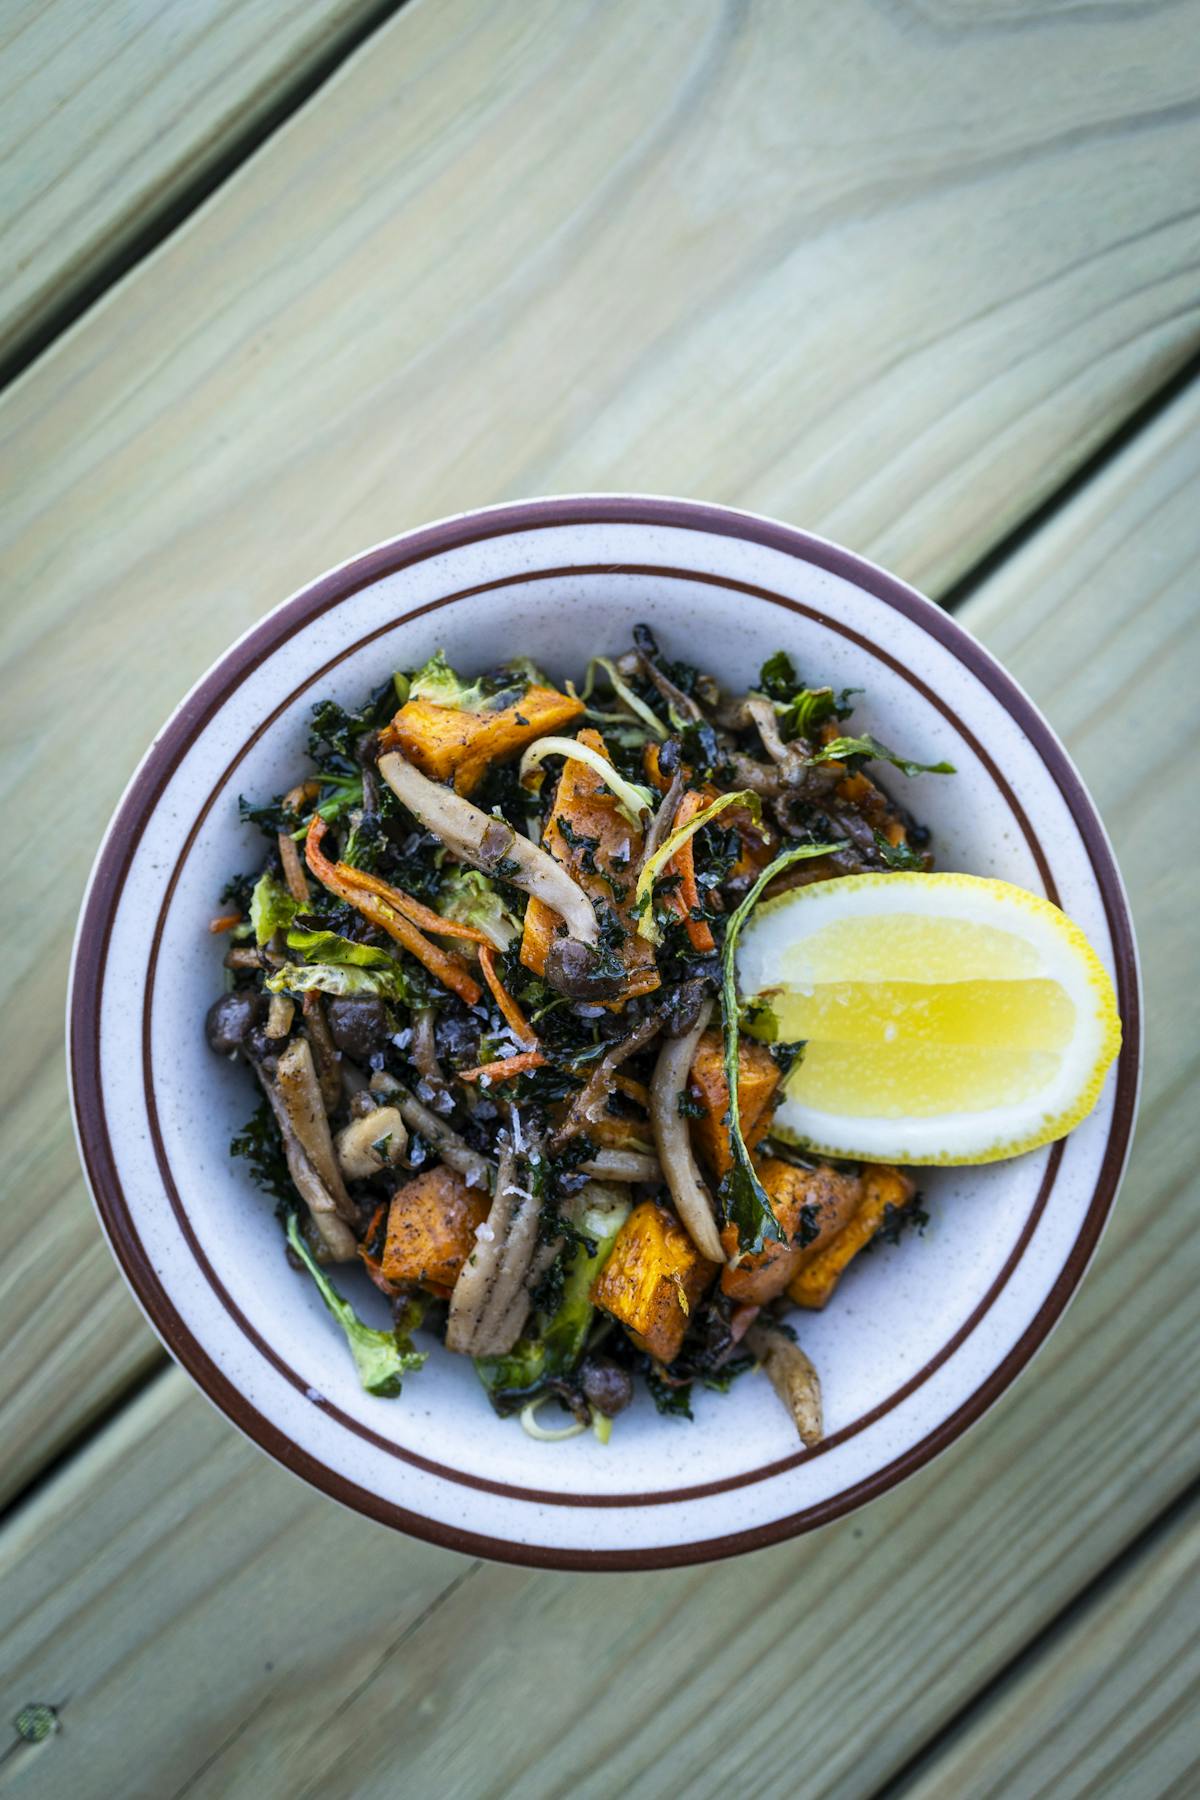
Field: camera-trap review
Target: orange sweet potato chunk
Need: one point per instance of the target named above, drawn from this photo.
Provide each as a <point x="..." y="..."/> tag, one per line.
<point x="613" y="849"/>
<point x="431" y="1229"/>
<point x="445" y="741"/>
<point x="823" y="1262"/>
<point x="758" y="1077"/>
<point x="652" y="1280"/>
<point x="833" y="1197"/>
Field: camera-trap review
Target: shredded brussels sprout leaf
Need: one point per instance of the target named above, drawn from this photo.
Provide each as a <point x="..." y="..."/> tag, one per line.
<point x="271" y="907"/>
<point x="747" y="1206"/>
<point x="438" y="683"/>
<point x="393" y="983"/>
<point x="624" y="693"/>
<point x="654" y="866"/>
<point x="381" y="1357"/>
<point x="633" y="799"/>
<point x="331" y="947"/>
<point x="469" y="898"/>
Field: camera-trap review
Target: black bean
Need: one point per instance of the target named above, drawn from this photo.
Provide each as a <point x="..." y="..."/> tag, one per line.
<point x="358" y="1023"/>
<point x="230" y="1018"/>
<point x="608" y="1388"/>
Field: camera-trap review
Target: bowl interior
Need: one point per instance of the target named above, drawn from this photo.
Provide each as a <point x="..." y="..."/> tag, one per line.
<point x="915" y="1328"/>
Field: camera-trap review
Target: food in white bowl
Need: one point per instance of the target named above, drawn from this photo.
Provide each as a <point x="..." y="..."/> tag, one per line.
<point x="919" y="1336"/>
<point x="582" y="1018"/>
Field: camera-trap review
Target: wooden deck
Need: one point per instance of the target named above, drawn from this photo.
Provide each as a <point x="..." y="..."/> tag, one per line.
<point x="922" y="277"/>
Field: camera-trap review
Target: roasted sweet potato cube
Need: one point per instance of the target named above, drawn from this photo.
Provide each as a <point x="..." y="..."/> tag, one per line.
<point x="431" y="1229"/>
<point x="833" y="1197"/>
<point x="652" y="1280"/>
<point x="445" y="741"/>
<point x="601" y="850"/>
<point x="880" y="1187"/>
<point x="758" y="1077"/>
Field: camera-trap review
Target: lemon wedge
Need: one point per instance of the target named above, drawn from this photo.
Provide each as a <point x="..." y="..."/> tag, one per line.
<point x="945" y="1018"/>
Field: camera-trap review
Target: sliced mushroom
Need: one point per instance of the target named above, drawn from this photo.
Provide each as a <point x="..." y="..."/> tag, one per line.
<point x="622" y="1165"/>
<point x="490" y="844"/>
<point x="324" y="1050"/>
<point x="470" y="1164"/>
<point x="491" y="1298"/>
<point x="301" y="1092"/>
<point x="338" y="1240"/>
<point x="280" y="1014"/>
<point x="691" y="1197"/>
<point x="647" y="653"/>
<point x="659" y="828"/>
<point x="359" y="1150"/>
<point x="589" y="1104"/>
<point x="424" y="1048"/>
<point x="792" y="1376"/>
<point x="293" y="869"/>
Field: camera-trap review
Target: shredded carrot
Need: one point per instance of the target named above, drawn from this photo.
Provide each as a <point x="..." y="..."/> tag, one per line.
<point x="226" y="922"/>
<point x="507" y="1068"/>
<point x="687" y="895"/>
<point x="633" y="1090"/>
<point x="413" y="910"/>
<point x="650" y="764"/>
<point x="346" y="882"/>
<point x="517" y="1023"/>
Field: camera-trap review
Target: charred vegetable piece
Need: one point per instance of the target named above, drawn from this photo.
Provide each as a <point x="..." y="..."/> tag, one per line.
<point x="453" y="742"/>
<point x="831" y="1200"/>
<point x="653" y="1279"/>
<point x="431" y="1229"/>
<point x="758" y="1078"/>
<point x="881" y="1188"/>
<point x="591" y="837"/>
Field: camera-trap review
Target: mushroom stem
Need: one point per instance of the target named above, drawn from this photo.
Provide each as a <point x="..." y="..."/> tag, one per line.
<point x="293" y="870"/>
<point x="679" y="1169"/>
<point x="301" y="1092"/>
<point x="335" y="1234"/>
<point x="792" y="1376"/>
<point x="491" y="1299"/>
<point x="324" y="1050"/>
<point x="452" y="1149"/>
<point x="491" y="844"/>
<point x="589" y="1103"/>
<point x="622" y="1165"/>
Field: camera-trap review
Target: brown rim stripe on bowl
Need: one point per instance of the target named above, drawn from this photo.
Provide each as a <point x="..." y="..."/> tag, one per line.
<point x="151" y="779"/>
<point x="365" y="1432"/>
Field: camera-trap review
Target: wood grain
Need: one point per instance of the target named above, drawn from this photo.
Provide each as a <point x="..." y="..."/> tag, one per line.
<point x="278" y="1646"/>
<point x="891" y="280"/>
<point x="1107" y="1707"/>
<point x="111" y="112"/>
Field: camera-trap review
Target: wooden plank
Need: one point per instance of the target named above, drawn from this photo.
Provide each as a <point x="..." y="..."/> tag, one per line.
<point x="294" y="1666"/>
<point x="1107" y="1706"/>
<point x="111" y="113"/>
<point x="891" y="280"/>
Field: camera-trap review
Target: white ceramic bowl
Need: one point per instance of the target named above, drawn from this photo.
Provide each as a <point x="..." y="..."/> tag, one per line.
<point x="921" y="1337"/>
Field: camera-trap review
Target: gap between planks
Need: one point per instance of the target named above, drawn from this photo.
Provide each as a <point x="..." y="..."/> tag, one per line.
<point x="1047" y="1644"/>
<point x="175" y="197"/>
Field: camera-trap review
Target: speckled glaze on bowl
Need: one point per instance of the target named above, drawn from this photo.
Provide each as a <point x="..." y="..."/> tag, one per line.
<point x="921" y="1337"/>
